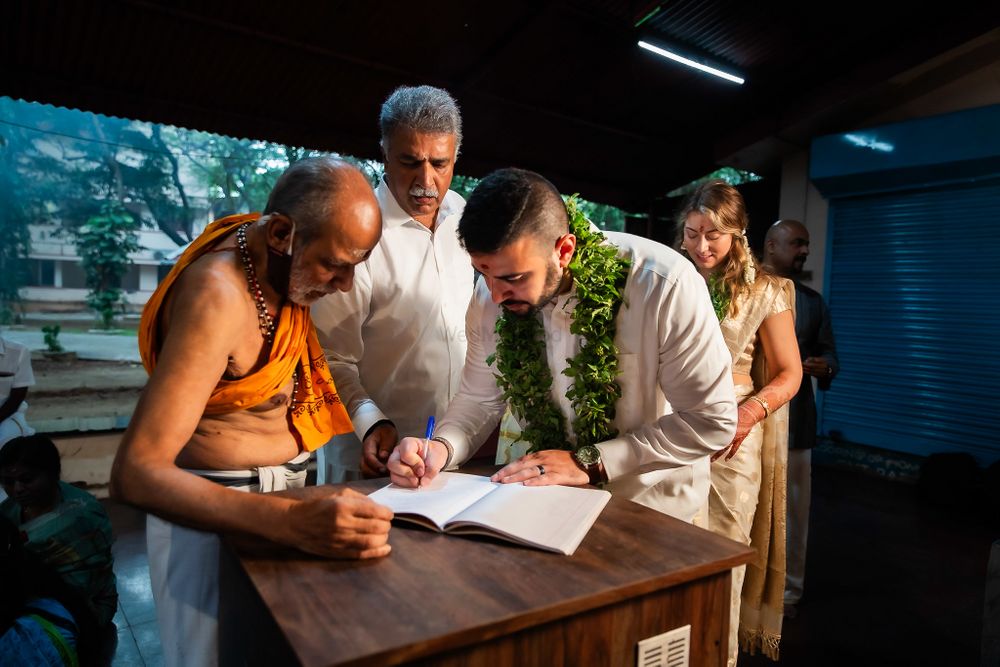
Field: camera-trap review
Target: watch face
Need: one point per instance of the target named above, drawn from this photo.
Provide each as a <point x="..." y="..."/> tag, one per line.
<point x="588" y="455"/>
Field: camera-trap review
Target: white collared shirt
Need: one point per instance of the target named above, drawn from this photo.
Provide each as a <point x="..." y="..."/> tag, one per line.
<point x="678" y="405"/>
<point x="396" y="341"/>
<point x="15" y="370"/>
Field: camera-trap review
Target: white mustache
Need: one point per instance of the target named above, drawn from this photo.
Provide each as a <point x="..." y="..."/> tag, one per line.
<point x="418" y="191"/>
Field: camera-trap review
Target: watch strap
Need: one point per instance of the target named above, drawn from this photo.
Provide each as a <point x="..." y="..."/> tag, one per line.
<point x="451" y="451"/>
<point x="598" y="474"/>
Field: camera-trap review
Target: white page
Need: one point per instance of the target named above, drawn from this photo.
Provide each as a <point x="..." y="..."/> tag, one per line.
<point x="552" y="517"/>
<point x="446" y="496"/>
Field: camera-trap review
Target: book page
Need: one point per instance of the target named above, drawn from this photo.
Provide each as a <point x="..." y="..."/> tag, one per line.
<point x="446" y="496"/>
<point x="554" y="518"/>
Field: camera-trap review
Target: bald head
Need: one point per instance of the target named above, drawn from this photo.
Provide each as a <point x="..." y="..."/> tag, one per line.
<point x="312" y="191"/>
<point x="322" y="219"/>
<point x="786" y="247"/>
<point x="354" y="217"/>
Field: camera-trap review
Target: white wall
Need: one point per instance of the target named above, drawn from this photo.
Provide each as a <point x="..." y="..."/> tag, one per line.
<point x="800" y="200"/>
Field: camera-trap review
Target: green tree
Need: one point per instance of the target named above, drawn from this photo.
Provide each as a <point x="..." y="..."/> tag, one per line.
<point x="730" y="175"/>
<point x="15" y="240"/>
<point x="236" y="174"/>
<point x="464" y="185"/>
<point x="63" y="165"/>
<point x="604" y="216"/>
<point x="105" y="242"/>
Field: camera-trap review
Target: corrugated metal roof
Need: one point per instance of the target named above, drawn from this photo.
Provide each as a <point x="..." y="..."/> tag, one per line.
<point x="560" y="87"/>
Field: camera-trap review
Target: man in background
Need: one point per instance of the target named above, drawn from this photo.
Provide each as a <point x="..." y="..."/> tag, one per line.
<point x="15" y="378"/>
<point x="396" y="342"/>
<point x="786" y="248"/>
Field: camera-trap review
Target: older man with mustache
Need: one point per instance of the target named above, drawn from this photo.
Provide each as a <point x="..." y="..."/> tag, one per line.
<point x="396" y="343"/>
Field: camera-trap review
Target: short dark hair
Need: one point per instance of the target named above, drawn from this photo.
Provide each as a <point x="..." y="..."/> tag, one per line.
<point x="508" y="204"/>
<point x="35" y="451"/>
<point x="306" y="191"/>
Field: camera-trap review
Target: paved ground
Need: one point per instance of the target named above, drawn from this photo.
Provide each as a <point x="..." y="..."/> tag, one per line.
<point x="102" y="346"/>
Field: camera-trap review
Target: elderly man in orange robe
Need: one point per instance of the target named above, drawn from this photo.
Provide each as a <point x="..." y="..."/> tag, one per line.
<point x="239" y="394"/>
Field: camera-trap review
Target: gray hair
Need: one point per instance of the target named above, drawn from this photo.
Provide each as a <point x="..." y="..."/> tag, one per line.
<point x="421" y="108"/>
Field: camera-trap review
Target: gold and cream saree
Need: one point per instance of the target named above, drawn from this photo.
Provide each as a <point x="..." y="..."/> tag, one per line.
<point x="747" y="499"/>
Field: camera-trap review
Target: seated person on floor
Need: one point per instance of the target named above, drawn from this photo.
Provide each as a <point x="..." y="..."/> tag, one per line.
<point x="63" y="528"/>
<point x="42" y="622"/>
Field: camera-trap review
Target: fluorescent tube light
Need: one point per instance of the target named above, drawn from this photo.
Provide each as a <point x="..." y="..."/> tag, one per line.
<point x="866" y="141"/>
<point x="690" y="63"/>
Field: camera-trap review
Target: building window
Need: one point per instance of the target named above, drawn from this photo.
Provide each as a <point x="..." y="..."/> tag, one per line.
<point x="130" y="281"/>
<point x="42" y="272"/>
<point x="73" y="276"/>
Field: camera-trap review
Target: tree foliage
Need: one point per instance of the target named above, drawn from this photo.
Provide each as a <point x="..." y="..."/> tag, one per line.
<point x="730" y="175"/>
<point x="105" y="242"/>
<point x="85" y="172"/>
<point x="16" y="241"/>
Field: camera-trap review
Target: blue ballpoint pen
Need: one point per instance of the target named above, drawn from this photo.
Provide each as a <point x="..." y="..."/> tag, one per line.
<point x="427" y="437"/>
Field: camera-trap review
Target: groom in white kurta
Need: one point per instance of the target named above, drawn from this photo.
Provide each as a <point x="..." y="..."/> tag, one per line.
<point x="677" y="405"/>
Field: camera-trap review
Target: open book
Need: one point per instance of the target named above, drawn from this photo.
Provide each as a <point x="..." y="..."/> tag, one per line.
<point x="552" y="518"/>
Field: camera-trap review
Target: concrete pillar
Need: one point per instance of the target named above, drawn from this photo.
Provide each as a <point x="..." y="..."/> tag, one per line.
<point x="800" y="200"/>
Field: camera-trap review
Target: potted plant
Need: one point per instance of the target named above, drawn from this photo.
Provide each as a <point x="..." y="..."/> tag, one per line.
<point x="53" y="348"/>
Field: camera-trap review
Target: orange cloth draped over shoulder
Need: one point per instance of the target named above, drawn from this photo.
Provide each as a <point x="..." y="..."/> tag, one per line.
<point x="317" y="412"/>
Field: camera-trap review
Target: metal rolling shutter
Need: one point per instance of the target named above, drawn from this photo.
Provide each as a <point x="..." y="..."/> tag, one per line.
<point x="914" y="294"/>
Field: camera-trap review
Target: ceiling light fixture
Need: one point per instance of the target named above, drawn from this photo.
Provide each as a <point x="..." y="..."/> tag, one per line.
<point x="691" y="63"/>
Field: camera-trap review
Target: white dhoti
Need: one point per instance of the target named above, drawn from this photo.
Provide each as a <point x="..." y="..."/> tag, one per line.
<point x="184" y="568"/>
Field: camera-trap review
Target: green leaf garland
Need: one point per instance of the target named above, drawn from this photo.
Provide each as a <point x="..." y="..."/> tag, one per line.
<point x="721" y="298"/>
<point x="599" y="277"/>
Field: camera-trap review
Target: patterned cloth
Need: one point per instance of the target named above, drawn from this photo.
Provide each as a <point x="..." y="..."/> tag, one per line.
<point x="317" y="412"/>
<point x="74" y="540"/>
<point x="748" y="497"/>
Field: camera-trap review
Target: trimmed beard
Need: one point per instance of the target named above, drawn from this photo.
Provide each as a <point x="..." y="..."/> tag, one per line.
<point x="553" y="281"/>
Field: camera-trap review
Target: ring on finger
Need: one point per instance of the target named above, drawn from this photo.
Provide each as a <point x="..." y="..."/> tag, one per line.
<point x="541" y="469"/>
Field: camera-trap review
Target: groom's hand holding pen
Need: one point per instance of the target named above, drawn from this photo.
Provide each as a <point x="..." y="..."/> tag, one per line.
<point x="416" y="461"/>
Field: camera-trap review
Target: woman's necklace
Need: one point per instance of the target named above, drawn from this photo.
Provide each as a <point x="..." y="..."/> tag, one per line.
<point x="266" y="323"/>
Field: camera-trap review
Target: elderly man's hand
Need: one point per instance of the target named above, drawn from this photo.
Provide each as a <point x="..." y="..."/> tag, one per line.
<point x="340" y="524"/>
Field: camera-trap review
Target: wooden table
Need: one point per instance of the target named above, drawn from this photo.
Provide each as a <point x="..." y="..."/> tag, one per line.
<point x="446" y="600"/>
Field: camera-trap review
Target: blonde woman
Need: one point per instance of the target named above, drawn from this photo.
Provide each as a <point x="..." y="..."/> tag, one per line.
<point x="747" y="498"/>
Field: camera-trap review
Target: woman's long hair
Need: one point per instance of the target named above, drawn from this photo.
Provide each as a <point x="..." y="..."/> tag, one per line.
<point x="723" y="205"/>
